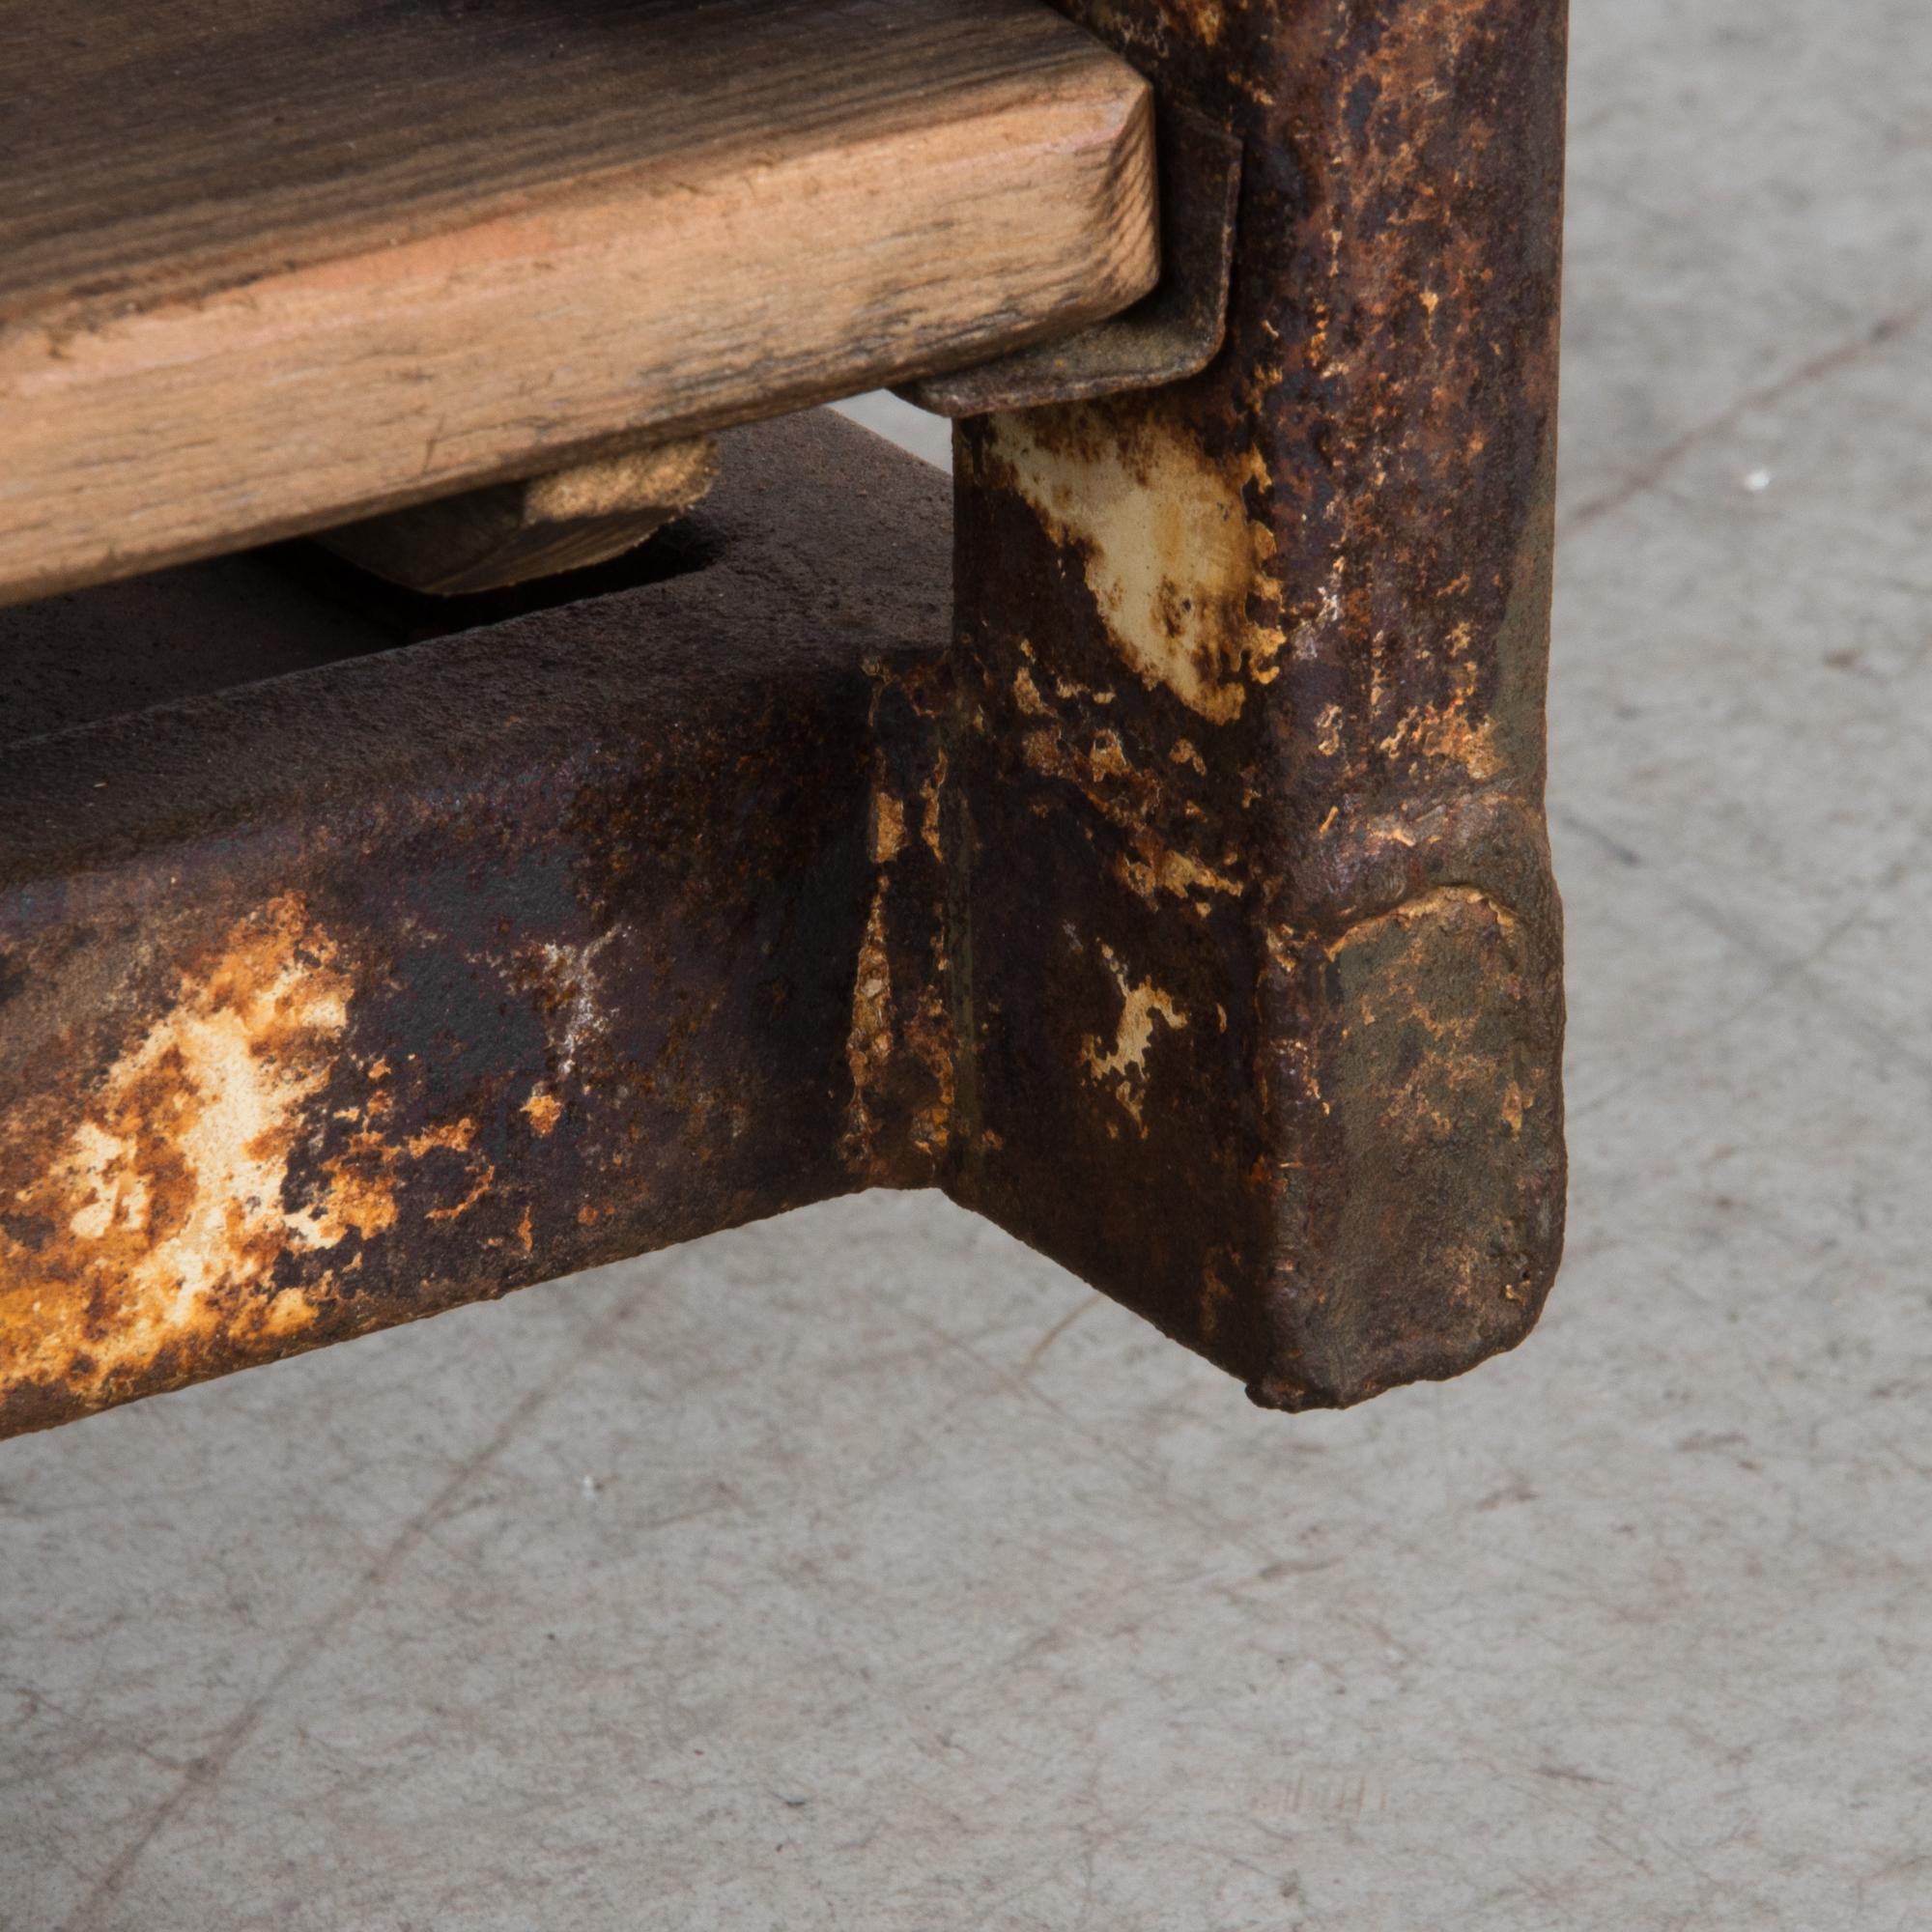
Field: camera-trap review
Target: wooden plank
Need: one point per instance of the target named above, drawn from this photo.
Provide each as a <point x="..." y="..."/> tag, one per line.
<point x="266" y="267"/>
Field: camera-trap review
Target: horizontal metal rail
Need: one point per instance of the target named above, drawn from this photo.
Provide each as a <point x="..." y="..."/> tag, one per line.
<point x="337" y="999"/>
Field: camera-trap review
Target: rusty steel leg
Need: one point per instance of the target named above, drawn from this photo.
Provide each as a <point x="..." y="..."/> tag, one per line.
<point x="1258" y="951"/>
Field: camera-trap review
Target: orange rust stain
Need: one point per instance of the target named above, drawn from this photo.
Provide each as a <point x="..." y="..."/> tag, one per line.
<point x="1447" y="732"/>
<point x="1153" y="865"/>
<point x="455" y="1137"/>
<point x="932" y="1125"/>
<point x="1108" y="759"/>
<point x="1026" y="694"/>
<point x="897" y="1027"/>
<point x="868" y="1045"/>
<point x="1121" y="1068"/>
<point x="928" y="1041"/>
<point x="455" y="1209"/>
<point x="163" y="1203"/>
<point x="142" y="1220"/>
<point x="932" y="791"/>
<point x="458" y="1136"/>
<point x="1157" y="867"/>
<point x="543" y="1111"/>
<point x="361" y="1196"/>
<point x="888" y="828"/>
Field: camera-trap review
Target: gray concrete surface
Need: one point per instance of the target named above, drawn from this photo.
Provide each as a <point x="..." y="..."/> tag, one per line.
<point x="960" y="1599"/>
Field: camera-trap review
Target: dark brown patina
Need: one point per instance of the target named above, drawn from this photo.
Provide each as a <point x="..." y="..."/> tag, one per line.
<point x="1174" y="890"/>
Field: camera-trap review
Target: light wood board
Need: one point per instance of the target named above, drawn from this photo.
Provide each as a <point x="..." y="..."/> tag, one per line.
<point x="267" y="267"/>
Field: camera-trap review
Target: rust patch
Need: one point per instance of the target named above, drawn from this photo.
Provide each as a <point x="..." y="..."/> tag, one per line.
<point x="930" y="1043"/>
<point x="1446" y="730"/>
<point x="360" y="1197"/>
<point x="868" y="1046"/>
<point x="1175" y="565"/>
<point x="1132" y="801"/>
<point x="900" y="1048"/>
<point x="1155" y="868"/>
<point x="1121" y="1068"/>
<point x="888" y="828"/>
<point x="533" y="951"/>
<point x="165" y="1200"/>
<point x="457" y="1137"/>
<point x="931" y="793"/>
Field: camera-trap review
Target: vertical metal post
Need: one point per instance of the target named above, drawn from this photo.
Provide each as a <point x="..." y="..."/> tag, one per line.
<point x="1255" y="951"/>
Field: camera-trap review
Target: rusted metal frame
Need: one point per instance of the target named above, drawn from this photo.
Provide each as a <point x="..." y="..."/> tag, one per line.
<point x="334" y="1001"/>
<point x="1191" y="917"/>
<point x="1261" y="1014"/>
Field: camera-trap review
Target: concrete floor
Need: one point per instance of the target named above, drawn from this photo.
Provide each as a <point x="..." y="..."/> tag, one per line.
<point x="963" y="1601"/>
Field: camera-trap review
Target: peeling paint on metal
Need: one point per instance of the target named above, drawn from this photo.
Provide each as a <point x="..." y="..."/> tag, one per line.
<point x="1122" y="1069"/>
<point x="1175" y="563"/>
<point x="868" y="1047"/>
<point x="164" y="1204"/>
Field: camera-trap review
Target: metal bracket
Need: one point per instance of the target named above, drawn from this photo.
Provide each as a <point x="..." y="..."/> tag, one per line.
<point x="1169" y="334"/>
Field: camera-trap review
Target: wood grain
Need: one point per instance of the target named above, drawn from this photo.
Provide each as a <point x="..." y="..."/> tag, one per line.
<point x="266" y="267"/>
